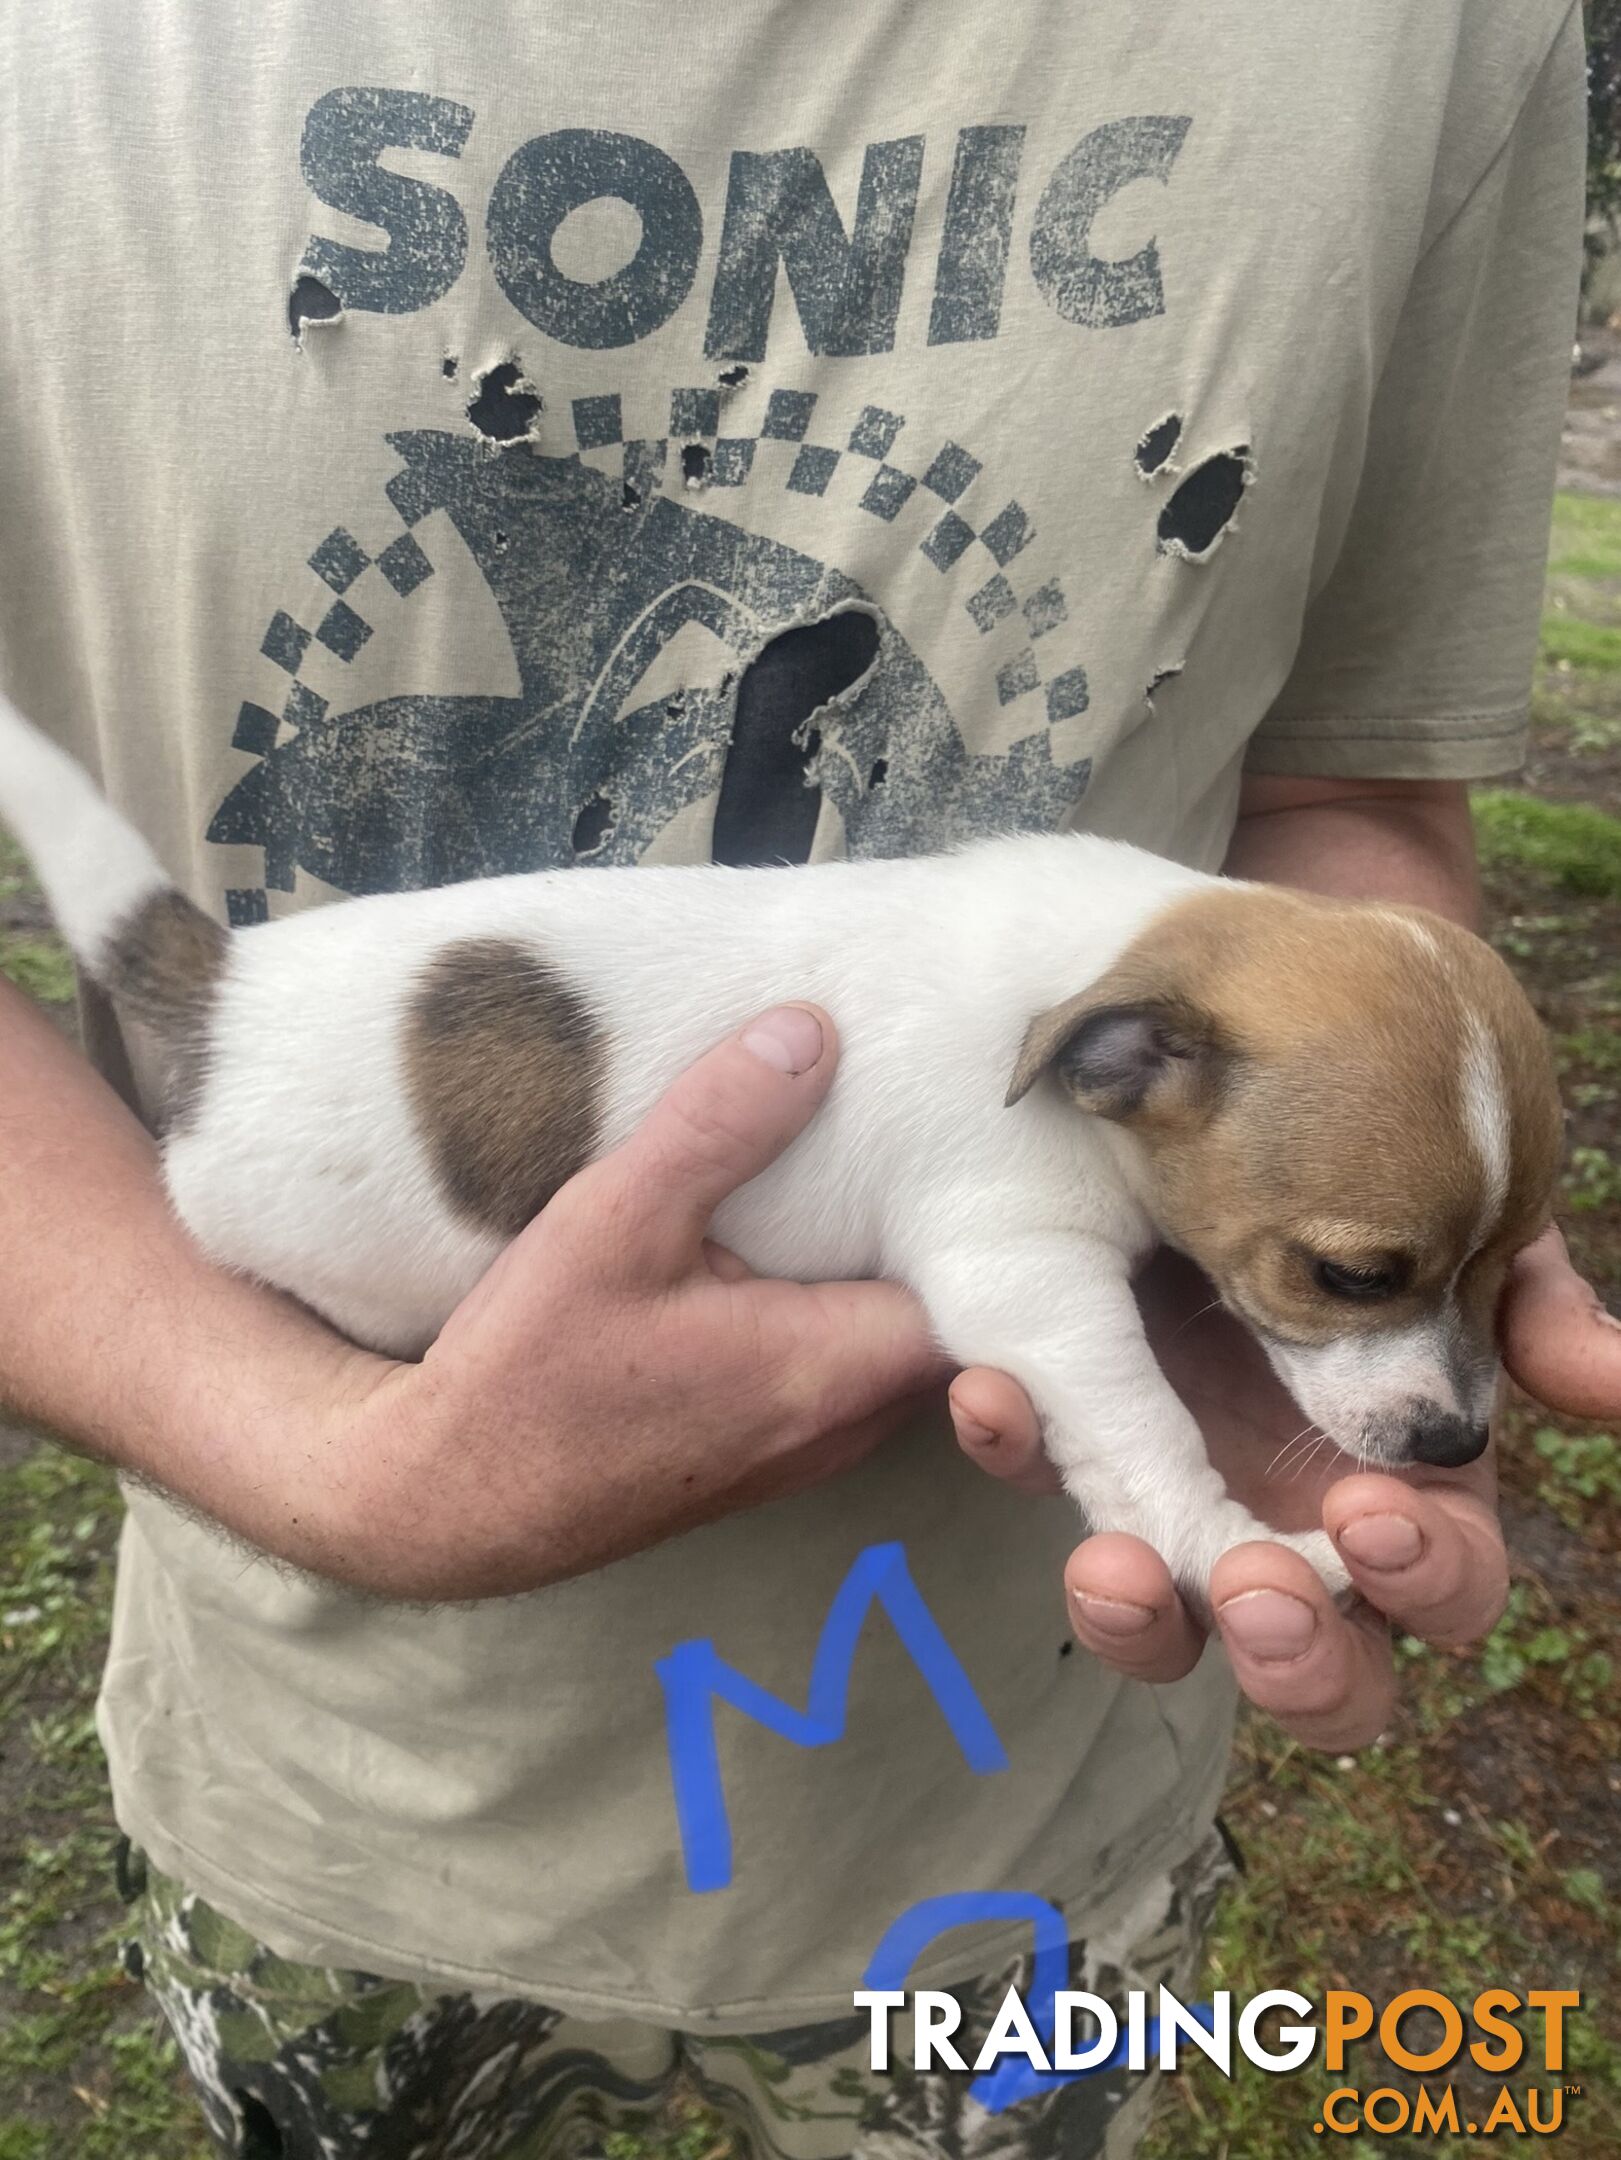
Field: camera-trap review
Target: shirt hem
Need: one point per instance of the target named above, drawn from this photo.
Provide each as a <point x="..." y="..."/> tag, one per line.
<point x="1393" y="746"/>
<point x="270" y="1918"/>
<point x="1426" y="721"/>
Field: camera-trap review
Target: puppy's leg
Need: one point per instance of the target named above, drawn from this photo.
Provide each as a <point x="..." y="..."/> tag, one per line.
<point x="1057" y="1313"/>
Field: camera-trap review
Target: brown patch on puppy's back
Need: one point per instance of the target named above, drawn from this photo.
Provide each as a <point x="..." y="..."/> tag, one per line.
<point x="503" y="1065"/>
<point x="164" y="967"/>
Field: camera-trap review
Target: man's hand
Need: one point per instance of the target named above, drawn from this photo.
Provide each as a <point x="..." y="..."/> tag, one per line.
<point x="617" y="1378"/>
<point x="1425" y="1550"/>
<point x="1560" y="1343"/>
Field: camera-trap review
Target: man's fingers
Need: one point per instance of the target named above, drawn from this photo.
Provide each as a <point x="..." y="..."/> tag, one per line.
<point x="1429" y="1559"/>
<point x="834" y="1451"/>
<point x="867" y="1343"/>
<point x="1326" y="1677"/>
<point x="997" y="1428"/>
<point x="716" y="1127"/>
<point x="725" y="1266"/>
<point x="1124" y="1608"/>
<point x="1558" y="1341"/>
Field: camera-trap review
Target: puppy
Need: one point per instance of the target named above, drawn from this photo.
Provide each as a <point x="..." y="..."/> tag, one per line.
<point x="1055" y="1050"/>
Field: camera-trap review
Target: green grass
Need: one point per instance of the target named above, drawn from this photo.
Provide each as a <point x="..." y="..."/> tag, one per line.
<point x="1585" y="648"/>
<point x="1582" y="1469"/>
<point x="688" y="2132"/>
<point x="41" y="967"/>
<point x="1585" y="541"/>
<point x="1596" y="1048"/>
<point x="1571" y="845"/>
<point x="74" y="2023"/>
<point x="37" y="964"/>
<point x="85" y="2073"/>
<point x="57" y="1514"/>
<point x="1371" y="1832"/>
<point x="1525" y="1638"/>
<point x="1593" y="1180"/>
<point x="1579" y="687"/>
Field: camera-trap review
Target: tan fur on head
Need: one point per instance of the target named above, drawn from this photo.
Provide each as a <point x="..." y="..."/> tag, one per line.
<point x="1321" y="1085"/>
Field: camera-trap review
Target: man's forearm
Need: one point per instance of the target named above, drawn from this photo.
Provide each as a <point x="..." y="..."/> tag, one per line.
<point x="1364" y="840"/>
<point x="115" y="1331"/>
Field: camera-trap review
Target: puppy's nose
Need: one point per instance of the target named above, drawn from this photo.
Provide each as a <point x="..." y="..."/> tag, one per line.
<point x="1435" y="1436"/>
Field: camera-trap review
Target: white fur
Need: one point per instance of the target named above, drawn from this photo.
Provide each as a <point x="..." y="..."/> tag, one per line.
<point x="1018" y="1228"/>
<point x="1421" y="937"/>
<point x="94" y="866"/>
<point x="1486" y="1119"/>
<point x="1366" y="1389"/>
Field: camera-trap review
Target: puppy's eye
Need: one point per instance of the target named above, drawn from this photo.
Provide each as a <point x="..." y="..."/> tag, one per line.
<point x="1356" y="1282"/>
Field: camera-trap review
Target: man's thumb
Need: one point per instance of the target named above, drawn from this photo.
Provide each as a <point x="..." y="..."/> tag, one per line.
<point x="713" y="1129"/>
<point x="1558" y="1341"/>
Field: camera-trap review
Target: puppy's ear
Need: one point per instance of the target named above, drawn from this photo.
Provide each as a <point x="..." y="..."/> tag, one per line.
<point x="1123" y="1059"/>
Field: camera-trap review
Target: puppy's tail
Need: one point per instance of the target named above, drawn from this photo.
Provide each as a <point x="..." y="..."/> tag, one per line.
<point x="130" y="929"/>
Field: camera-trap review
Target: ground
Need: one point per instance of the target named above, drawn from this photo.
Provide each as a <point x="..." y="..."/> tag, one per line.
<point x="1478" y="1845"/>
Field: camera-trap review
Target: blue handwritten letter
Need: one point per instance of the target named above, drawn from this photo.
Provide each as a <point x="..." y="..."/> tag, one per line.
<point x="694" y="1675"/>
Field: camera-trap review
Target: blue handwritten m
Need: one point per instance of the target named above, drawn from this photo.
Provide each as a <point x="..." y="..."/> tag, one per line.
<point x="695" y="1676"/>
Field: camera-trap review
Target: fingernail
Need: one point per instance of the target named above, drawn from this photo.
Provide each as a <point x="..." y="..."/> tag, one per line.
<point x="1383" y="1541"/>
<point x="1112" y="1616"/>
<point x="788" y="1039"/>
<point x="971" y="1432"/>
<point x="1269" y="1624"/>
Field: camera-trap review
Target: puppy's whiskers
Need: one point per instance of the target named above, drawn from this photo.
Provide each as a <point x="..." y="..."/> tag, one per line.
<point x="1306" y="1432"/>
<point x="1214" y="1306"/>
<point x="1305" y="1462"/>
<point x="1287" y="1445"/>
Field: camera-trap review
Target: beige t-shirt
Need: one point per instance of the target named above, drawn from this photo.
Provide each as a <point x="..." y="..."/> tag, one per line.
<point x="1172" y="387"/>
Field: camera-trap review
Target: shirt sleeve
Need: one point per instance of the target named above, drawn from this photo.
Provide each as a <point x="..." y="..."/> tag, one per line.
<point x="1416" y="652"/>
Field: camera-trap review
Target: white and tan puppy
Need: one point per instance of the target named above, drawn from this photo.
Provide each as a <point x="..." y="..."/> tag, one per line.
<point x="1055" y="1050"/>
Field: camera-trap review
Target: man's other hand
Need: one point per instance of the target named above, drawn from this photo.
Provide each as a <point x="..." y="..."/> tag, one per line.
<point x="1425" y="1549"/>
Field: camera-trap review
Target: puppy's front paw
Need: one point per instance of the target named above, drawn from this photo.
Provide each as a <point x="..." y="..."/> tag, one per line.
<point x="1194" y="1564"/>
<point x="1318" y="1549"/>
<point x="1315" y="1547"/>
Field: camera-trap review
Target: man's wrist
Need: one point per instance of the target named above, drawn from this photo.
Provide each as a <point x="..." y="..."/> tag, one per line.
<point x="244" y="1409"/>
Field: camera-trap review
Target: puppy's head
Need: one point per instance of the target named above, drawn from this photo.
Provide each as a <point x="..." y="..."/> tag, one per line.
<point x="1350" y="1120"/>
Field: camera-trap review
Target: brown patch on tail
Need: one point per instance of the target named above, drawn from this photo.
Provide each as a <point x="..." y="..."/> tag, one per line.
<point x="163" y="966"/>
<point x="503" y="1065"/>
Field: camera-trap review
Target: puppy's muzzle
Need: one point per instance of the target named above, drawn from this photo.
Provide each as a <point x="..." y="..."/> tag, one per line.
<point x="1435" y="1436"/>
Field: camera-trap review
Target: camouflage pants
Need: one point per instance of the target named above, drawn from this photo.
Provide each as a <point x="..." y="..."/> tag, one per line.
<point x="296" y="2062"/>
